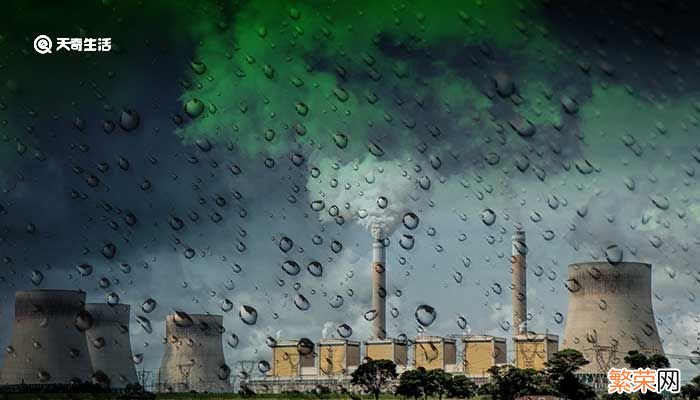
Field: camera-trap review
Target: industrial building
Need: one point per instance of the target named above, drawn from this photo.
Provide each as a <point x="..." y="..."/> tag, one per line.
<point x="610" y="313"/>
<point x="533" y="350"/>
<point x="48" y="345"/>
<point x="482" y="352"/>
<point x="338" y="357"/>
<point x="287" y="362"/>
<point x="109" y="343"/>
<point x="434" y="352"/>
<point x="194" y="355"/>
<point x="388" y="349"/>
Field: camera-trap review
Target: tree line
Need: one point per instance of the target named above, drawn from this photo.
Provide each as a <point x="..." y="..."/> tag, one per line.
<point x="558" y="378"/>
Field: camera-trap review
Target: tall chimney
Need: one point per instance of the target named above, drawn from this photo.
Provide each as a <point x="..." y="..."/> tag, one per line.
<point x="519" y="282"/>
<point x="378" y="283"/>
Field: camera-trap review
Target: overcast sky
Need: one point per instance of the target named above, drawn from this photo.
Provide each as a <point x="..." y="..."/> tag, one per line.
<point x="581" y="124"/>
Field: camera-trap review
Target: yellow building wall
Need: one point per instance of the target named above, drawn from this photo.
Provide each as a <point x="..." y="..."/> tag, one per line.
<point x="285" y="361"/>
<point x="478" y="358"/>
<point x="380" y="351"/>
<point x="331" y="359"/>
<point x="530" y="354"/>
<point x="428" y="355"/>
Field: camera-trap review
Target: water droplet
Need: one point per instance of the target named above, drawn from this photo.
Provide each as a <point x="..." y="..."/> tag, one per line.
<point x="112" y="299"/>
<point x="301" y="302"/>
<point x="614" y="254"/>
<point x="286" y="244"/>
<point x="370" y="315"/>
<point x="305" y="346"/>
<point x="263" y="366"/>
<point x="318" y="205"/>
<point x="461" y="322"/>
<point x="488" y="217"/>
<point x="84" y="269"/>
<point x="336" y="301"/>
<point x="144" y="323"/>
<point x="226" y="305"/>
<point x="232" y="340"/>
<point x="149" y="305"/>
<point x="37" y="277"/>
<point x="248" y="315"/>
<point x="344" y="330"/>
<point x="291" y="267"/>
<point x="129" y="120"/>
<point x="407" y="241"/>
<point x="315" y="268"/>
<point x="558" y="318"/>
<point x="425" y="315"/>
<point x="410" y="220"/>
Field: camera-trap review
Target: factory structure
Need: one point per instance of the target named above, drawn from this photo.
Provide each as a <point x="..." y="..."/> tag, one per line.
<point x="59" y="339"/>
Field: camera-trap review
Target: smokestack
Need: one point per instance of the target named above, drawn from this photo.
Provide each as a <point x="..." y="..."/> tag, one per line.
<point x="519" y="267"/>
<point x="610" y="313"/>
<point x="378" y="283"/>
<point x="48" y="343"/>
<point x="109" y="343"/>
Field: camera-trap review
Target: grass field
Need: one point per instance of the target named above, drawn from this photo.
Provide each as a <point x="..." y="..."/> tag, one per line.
<point x="188" y="396"/>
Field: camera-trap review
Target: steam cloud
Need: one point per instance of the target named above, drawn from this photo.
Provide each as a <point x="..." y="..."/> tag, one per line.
<point x="361" y="191"/>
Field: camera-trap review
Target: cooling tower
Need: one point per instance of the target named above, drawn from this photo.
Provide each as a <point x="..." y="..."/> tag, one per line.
<point x="109" y="343"/>
<point x="378" y="284"/>
<point x="519" y="267"/>
<point x="610" y="313"/>
<point x="48" y="345"/>
<point x="194" y="355"/>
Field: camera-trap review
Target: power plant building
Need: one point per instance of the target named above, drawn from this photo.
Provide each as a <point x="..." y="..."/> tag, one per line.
<point x="533" y="350"/>
<point x="287" y="362"/>
<point x="388" y="349"/>
<point x="48" y="343"/>
<point x="482" y="352"/>
<point x="433" y="352"/>
<point x="610" y="313"/>
<point x="109" y="344"/>
<point x="338" y="357"/>
<point x="194" y="355"/>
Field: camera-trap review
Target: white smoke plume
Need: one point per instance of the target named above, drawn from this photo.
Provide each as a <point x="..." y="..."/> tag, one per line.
<point x="374" y="194"/>
<point x="327" y="331"/>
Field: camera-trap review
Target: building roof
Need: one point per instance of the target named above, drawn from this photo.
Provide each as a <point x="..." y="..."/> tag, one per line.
<point x="532" y="336"/>
<point x="483" y="338"/>
<point x="338" y="342"/>
<point x="433" y="339"/>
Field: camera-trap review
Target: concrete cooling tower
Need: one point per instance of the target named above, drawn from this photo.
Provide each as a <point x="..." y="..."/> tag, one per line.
<point x="48" y="343"/>
<point x="109" y="344"/>
<point x="194" y="355"/>
<point x="610" y="313"/>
